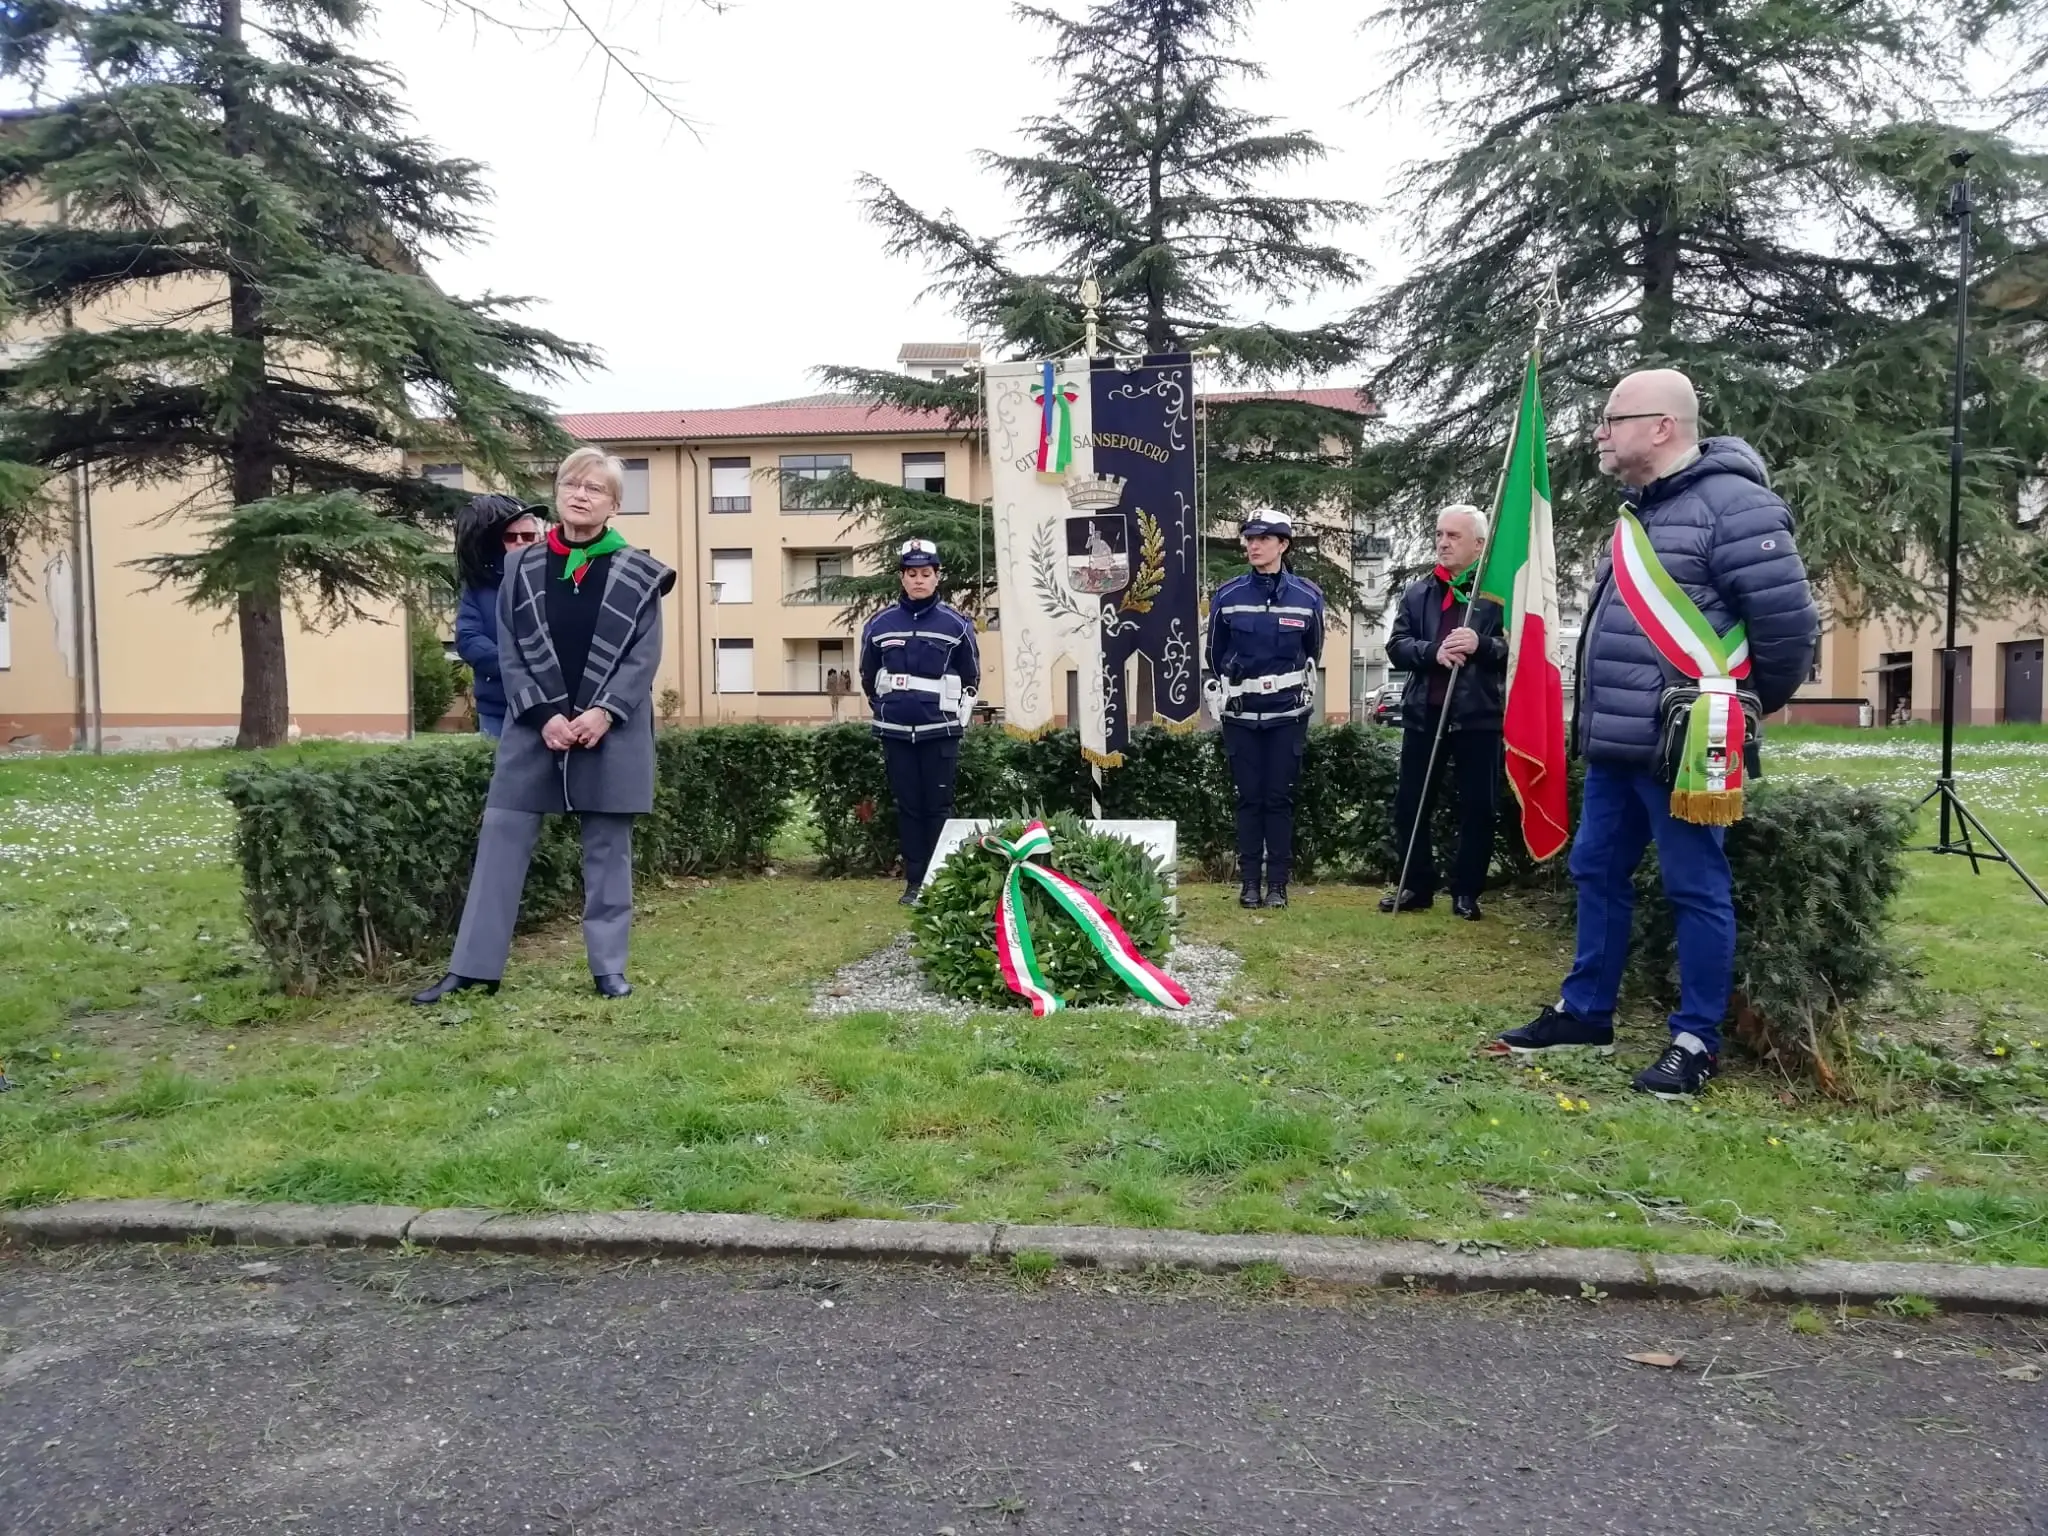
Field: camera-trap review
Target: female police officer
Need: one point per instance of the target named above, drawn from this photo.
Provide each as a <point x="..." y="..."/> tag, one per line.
<point x="919" y="667"/>
<point x="1265" y="638"/>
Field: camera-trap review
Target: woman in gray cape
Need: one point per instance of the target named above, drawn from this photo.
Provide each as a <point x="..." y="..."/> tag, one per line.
<point x="579" y="638"/>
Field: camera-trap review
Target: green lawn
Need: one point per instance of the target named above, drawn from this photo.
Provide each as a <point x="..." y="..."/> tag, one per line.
<point x="150" y="1058"/>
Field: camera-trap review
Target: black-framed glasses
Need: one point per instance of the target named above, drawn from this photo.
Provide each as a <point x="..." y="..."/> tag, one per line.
<point x="1610" y="418"/>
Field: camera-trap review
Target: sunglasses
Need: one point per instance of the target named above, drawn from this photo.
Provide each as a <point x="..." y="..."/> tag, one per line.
<point x="522" y="538"/>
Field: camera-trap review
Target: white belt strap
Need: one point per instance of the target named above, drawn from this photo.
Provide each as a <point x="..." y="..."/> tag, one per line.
<point x="1278" y="682"/>
<point x="947" y="687"/>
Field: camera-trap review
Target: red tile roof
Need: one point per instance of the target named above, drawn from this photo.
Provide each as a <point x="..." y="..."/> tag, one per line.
<point x="938" y="352"/>
<point x="850" y="419"/>
<point x="1333" y="399"/>
<point x="750" y="421"/>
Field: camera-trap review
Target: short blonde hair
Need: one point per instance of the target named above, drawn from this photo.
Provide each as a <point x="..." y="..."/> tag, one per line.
<point x="585" y="459"/>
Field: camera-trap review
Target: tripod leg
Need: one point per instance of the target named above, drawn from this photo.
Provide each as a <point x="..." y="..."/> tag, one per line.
<point x="1963" y="821"/>
<point x="1969" y="819"/>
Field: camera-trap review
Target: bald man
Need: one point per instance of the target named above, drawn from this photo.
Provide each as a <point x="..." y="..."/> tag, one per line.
<point x="1724" y="539"/>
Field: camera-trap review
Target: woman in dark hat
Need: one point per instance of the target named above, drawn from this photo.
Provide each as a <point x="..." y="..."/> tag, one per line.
<point x="487" y="530"/>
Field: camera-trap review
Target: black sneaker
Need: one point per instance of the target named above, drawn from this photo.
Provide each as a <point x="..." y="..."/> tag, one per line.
<point x="1555" y="1030"/>
<point x="1277" y="896"/>
<point x="1248" y="894"/>
<point x="1682" y="1072"/>
<point x="908" y="898"/>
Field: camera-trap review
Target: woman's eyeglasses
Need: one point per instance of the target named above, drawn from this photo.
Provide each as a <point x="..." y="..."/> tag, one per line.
<point x="522" y="538"/>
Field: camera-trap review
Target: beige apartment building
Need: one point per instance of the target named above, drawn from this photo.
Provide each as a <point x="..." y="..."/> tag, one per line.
<point x="1889" y="673"/>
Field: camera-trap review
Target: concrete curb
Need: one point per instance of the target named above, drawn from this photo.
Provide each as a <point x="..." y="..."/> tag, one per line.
<point x="1333" y="1260"/>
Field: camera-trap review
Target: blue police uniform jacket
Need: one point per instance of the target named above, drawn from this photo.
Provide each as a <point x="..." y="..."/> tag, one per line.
<point x="927" y="641"/>
<point x="1265" y="626"/>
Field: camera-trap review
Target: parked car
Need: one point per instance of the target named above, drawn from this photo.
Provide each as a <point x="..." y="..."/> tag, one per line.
<point x="1383" y="704"/>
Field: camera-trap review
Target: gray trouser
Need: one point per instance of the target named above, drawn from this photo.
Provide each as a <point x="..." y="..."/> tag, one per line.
<point x="503" y="850"/>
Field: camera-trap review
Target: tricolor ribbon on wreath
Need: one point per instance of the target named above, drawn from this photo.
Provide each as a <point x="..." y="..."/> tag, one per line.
<point x="1018" y="956"/>
<point x="1707" y="786"/>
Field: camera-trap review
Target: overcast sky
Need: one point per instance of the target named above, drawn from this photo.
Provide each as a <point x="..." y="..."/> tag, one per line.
<point x="720" y="272"/>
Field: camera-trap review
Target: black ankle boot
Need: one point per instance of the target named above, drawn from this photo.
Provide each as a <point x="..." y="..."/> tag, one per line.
<point x="1248" y="894"/>
<point x="1277" y="896"/>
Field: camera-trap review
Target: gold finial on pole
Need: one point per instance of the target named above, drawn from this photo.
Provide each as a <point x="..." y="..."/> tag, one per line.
<point x="1091" y="306"/>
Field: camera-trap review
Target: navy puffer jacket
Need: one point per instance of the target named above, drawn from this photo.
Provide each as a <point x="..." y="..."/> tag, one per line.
<point x="1724" y="536"/>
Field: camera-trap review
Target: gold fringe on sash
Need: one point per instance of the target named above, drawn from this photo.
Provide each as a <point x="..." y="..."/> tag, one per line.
<point x="1103" y="759"/>
<point x="1707" y="807"/>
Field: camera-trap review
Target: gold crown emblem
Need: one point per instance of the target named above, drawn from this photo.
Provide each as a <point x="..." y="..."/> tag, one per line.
<point x="1094" y="493"/>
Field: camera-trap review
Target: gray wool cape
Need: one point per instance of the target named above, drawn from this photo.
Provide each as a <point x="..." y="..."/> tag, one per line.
<point x="615" y="777"/>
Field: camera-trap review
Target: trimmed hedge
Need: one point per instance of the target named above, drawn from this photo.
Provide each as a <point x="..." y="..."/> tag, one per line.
<point x="350" y="866"/>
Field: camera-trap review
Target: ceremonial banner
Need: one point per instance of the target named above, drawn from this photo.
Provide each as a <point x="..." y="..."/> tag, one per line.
<point x="1097" y="559"/>
<point x="1038" y="420"/>
<point x="1521" y="575"/>
<point x="1143" y="434"/>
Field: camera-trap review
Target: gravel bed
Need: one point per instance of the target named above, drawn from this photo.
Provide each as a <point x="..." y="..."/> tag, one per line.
<point x="889" y="981"/>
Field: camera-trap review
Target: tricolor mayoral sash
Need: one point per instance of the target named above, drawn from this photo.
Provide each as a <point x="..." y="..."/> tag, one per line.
<point x="1707" y="779"/>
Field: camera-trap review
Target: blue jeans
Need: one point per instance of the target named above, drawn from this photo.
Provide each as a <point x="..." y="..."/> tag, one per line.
<point x="491" y="725"/>
<point x="1624" y="809"/>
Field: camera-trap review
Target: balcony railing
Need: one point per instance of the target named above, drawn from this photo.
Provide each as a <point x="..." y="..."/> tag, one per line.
<point x="732" y="503"/>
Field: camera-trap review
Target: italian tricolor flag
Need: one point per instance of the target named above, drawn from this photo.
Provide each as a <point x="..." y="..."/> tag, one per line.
<point x="1521" y="575"/>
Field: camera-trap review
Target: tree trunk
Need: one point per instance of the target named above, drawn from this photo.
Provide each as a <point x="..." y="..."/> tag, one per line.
<point x="266" y="701"/>
<point x="266" y="708"/>
<point x="1660" y="230"/>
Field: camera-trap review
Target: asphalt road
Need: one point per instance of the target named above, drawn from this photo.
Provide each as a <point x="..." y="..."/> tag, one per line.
<point x="146" y="1391"/>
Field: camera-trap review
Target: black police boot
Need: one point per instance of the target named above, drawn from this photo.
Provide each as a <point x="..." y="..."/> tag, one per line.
<point x="1277" y="896"/>
<point x="448" y="986"/>
<point x="1248" y="894"/>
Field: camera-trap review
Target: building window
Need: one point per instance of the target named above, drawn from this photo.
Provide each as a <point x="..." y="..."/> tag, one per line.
<point x="925" y="472"/>
<point x="634" y="495"/>
<point x="449" y="475"/>
<point x="735" y="667"/>
<point x="732" y="485"/>
<point x="799" y="470"/>
<point x="1813" y="672"/>
<point x="808" y="575"/>
<point x="733" y="570"/>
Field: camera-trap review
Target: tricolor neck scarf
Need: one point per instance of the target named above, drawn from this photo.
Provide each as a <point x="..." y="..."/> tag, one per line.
<point x="577" y="557"/>
<point x="1457" y="588"/>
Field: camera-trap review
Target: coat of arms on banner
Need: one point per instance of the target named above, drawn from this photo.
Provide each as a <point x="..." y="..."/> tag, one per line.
<point x="1098" y="552"/>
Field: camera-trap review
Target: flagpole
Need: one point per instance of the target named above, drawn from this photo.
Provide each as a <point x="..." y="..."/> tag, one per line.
<point x="1465" y="619"/>
<point x="1091" y="300"/>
